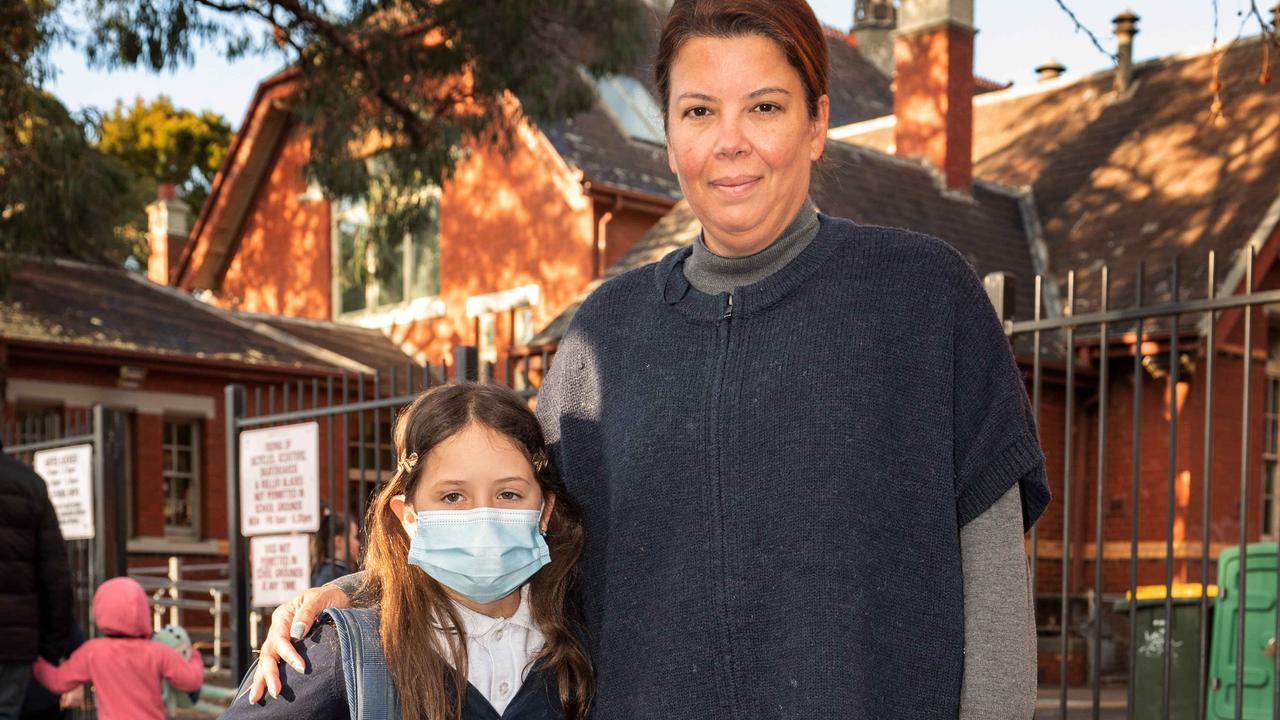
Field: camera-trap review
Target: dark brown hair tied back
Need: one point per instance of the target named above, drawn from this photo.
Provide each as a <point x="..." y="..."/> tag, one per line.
<point x="790" y="23"/>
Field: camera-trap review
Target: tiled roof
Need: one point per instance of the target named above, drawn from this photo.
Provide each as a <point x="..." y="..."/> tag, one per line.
<point x="1143" y="178"/>
<point x="873" y="188"/>
<point x="859" y="91"/>
<point x="101" y="307"/>
<point x="368" y="346"/>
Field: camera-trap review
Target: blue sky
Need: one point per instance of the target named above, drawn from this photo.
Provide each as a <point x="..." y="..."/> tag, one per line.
<point x="1014" y="36"/>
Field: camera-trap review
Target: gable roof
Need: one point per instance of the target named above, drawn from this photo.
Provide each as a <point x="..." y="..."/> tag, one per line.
<point x="231" y="194"/>
<point x="100" y="308"/>
<point x="1148" y="177"/>
<point x="873" y="188"/>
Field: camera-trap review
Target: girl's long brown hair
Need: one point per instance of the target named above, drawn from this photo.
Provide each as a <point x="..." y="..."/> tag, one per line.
<point x="413" y="605"/>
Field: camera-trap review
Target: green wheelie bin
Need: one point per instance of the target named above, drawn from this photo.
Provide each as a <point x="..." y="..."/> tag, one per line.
<point x="1184" y="667"/>
<point x="1259" y="635"/>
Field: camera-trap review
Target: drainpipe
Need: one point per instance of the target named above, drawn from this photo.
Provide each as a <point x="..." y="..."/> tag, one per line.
<point x="600" y="242"/>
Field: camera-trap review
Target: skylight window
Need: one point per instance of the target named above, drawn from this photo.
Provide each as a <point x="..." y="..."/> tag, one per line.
<point x="632" y="107"/>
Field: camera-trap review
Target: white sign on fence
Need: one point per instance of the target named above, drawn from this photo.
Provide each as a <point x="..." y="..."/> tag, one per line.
<point x="280" y="480"/>
<point x="281" y="567"/>
<point x="69" y="474"/>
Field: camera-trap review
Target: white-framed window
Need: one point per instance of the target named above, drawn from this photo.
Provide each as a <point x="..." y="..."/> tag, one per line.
<point x="631" y="106"/>
<point x="368" y="278"/>
<point x="181" y="478"/>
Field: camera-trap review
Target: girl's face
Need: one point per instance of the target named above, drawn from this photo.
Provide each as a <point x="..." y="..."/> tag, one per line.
<point x="476" y="467"/>
<point x="740" y="139"/>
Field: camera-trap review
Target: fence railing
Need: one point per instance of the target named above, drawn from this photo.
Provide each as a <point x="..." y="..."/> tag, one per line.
<point x="1199" y="349"/>
<point x="172" y="590"/>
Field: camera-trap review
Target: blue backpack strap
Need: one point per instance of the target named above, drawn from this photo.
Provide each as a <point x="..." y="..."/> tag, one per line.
<point x="371" y="694"/>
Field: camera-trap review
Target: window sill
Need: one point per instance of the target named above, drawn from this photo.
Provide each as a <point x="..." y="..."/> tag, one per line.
<point x="425" y="308"/>
<point x="175" y="546"/>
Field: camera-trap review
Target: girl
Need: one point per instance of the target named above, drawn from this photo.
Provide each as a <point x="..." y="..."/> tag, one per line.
<point x="127" y="668"/>
<point x="473" y="546"/>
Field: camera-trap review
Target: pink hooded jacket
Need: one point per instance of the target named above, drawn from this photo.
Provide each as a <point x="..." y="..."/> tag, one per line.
<point x="127" y="667"/>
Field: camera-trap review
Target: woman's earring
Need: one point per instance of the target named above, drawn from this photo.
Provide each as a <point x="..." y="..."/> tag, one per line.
<point x="544" y="532"/>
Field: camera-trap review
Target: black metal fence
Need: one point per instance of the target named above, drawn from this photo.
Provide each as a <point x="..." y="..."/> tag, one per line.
<point x="356" y="414"/>
<point x="94" y="559"/>
<point x="1161" y="334"/>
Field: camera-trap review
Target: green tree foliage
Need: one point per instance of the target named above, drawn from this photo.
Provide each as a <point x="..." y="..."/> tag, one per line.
<point x="159" y="143"/>
<point x="58" y="194"/>
<point x="164" y="144"/>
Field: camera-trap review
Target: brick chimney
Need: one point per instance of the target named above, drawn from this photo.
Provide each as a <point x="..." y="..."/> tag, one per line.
<point x="934" y="86"/>
<point x="874" y="23"/>
<point x="168" y="222"/>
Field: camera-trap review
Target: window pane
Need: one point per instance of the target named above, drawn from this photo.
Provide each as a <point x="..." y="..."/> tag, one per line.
<point x="424" y="280"/>
<point x="183" y="458"/>
<point x="178" y="502"/>
<point x="390" y="275"/>
<point x="632" y="107"/>
<point x="168" y="459"/>
<point x="184" y="434"/>
<point x="351" y="272"/>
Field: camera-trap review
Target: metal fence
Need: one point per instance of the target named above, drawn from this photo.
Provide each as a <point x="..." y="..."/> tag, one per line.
<point x="1152" y="333"/>
<point x="95" y="559"/>
<point x="356" y="414"/>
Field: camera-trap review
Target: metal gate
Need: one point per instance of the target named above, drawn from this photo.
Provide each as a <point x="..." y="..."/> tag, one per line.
<point x="1100" y="342"/>
<point x="356" y="414"/>
<point x="103" y="556"/>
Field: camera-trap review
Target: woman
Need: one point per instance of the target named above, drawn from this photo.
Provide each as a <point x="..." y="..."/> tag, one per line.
<point x="802" y="448"/>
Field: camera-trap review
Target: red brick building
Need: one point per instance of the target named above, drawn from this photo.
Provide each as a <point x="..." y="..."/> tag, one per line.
<point x="74" y="335"/>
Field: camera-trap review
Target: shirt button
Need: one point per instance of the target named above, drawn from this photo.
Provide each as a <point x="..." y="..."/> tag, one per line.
<point x="498" y="635"/>
<point x="504" y="688"/>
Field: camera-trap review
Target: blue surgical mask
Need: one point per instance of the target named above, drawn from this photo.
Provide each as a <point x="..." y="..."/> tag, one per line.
<point x="483" y="554"/>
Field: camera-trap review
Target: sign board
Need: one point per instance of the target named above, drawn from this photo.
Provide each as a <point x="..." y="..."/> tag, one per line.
<point x="280" y="480"/>
<point x="281" y="568"/>
<point x="69" y="474"/>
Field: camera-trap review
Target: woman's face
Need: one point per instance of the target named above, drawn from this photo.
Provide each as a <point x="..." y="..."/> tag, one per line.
<point x="476" y="467"/>
<point x="740" y="139"/>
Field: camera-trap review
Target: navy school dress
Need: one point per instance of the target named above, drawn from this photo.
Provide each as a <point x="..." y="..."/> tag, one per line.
<point x="347" y="677"/>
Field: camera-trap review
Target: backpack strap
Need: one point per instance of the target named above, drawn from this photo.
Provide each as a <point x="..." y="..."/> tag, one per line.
<point x="371" y="694"/>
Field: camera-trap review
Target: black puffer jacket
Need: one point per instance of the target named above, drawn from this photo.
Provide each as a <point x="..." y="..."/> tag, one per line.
<point x="35" y="584"/>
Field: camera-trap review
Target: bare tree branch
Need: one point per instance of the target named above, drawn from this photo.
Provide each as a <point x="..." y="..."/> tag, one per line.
<point x="1081" y="28"/>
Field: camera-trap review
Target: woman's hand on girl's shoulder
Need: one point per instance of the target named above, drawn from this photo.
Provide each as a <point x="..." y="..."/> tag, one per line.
<point x="290" y="622"/>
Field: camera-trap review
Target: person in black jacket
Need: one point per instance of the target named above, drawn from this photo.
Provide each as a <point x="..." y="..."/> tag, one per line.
<point x="35" y="597"/>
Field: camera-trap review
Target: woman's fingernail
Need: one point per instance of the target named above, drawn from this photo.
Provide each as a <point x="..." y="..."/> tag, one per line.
<point x="273" y="692"/>
<point x="296" y="631"/>
<point x="299" y="668"/>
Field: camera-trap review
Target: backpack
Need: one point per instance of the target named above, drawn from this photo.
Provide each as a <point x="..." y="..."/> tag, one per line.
<point x="370" y="692"/>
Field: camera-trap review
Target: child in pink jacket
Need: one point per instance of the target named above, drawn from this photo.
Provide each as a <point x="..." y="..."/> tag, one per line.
<point x="126" y="667"/>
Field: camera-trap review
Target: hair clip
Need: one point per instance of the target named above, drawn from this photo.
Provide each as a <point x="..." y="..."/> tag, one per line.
<point x="539" y="460"/>
<point x="406" y="462"/>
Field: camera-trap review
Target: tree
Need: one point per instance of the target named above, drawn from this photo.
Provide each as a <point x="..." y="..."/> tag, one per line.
<point x="159" y="143"/>
<point x="164" y="144"/>
<point x="393" y="92"/>
<point x="59" y="195"/>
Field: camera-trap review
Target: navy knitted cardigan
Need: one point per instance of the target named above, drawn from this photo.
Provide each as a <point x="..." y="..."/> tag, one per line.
<point x="773" y="481"/>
